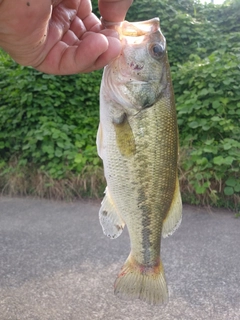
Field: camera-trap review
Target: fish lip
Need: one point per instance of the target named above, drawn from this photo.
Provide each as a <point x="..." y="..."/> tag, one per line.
<point x="139" y="82"/>
<point x="140" y="28"/>
<point x="133" y="29"/>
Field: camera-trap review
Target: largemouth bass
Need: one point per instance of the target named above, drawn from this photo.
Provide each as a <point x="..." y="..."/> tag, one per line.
<point x="138" y="143"/>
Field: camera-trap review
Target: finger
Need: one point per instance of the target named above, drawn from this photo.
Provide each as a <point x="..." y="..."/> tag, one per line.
<point x="92" y="53"/>
<point x="110" y="33"/>
<point x="114" y="10"/>
<point x="77" y="27"/>
<point x="92" y="23"/>
<point x="70" y="38"/>
<point x="78" y="31"/>
<point x="113" y="51"/>
<point x="89" y="19"/>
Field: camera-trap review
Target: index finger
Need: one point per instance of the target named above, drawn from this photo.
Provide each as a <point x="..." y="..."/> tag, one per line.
<point x="114" y="10"/>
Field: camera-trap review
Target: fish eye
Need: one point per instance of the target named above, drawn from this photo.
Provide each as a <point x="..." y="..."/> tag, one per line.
<point x="156" y="50"/>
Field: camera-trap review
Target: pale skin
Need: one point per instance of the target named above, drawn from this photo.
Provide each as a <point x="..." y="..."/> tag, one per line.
<point x="62" y="36"/>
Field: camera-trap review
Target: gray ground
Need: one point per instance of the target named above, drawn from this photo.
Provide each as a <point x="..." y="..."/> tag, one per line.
<point x="55" y="264"/>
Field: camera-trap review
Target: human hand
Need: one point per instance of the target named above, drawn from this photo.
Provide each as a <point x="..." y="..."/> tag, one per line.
<point x="60" y="36"/>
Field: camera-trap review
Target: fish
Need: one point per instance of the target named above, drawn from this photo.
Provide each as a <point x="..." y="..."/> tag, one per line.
<point x="137" y="140"/>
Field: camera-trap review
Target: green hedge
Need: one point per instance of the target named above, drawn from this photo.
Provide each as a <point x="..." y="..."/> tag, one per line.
<point x="47" y="120"/>
<point x="208" y="106"/>
<point x="48" y="129"/>
<point x="48" y="124"/>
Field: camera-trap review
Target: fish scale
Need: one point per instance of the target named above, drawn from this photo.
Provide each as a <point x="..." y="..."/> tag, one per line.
<point x="159" y="173"/>
<point x="138" y="143"/>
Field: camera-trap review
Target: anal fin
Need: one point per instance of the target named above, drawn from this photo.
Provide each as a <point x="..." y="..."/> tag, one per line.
<point x="174" y="216"/>
<point x="112" y="224"/>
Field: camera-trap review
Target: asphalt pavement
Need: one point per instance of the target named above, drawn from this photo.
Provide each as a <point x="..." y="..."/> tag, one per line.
<point x="56" y="264"/>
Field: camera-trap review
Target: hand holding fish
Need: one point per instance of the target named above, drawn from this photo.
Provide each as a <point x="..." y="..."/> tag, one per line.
<point x="60" y="36"/>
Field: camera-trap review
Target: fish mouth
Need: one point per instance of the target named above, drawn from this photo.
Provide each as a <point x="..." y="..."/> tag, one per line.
<point x="142" y="28"/>
<point x="133" y="29"/>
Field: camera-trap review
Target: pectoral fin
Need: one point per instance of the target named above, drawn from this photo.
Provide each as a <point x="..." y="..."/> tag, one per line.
<point x="174" y="216"/>
<point x="112" y="224"/>
<point x="124" y="138"/>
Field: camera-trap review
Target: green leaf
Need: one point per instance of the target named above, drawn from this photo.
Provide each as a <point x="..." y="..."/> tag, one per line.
<point x="80" y="159"/>
<point x="209" y="142"/>
<point x="215" y="118"/>
<point x="203" y="92"/>
<point x="227" y="146"/>
<point x="58" y="153"/>
<point x="219" y="160"/>
<point x="237" y="188"/>
<point x="229" y="160"/>
<point x="208" y="149"/>
<point x="61" y="145"/>
<point x="201" y="189"/>
<point x="193" y="124"/>
<point x="48" y="149"/>
<point x="231" y="182"/>
<point x="228" y="191"/>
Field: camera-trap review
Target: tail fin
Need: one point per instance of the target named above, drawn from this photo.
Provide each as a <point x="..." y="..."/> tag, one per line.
<point x="136" y="281"/>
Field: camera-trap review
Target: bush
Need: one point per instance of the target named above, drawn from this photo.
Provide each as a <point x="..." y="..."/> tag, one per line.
<point x="208" y="105"/>
<point x="48" y="123"/>
<point x="47" y="120"/>
<point x="48" y="128"/>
